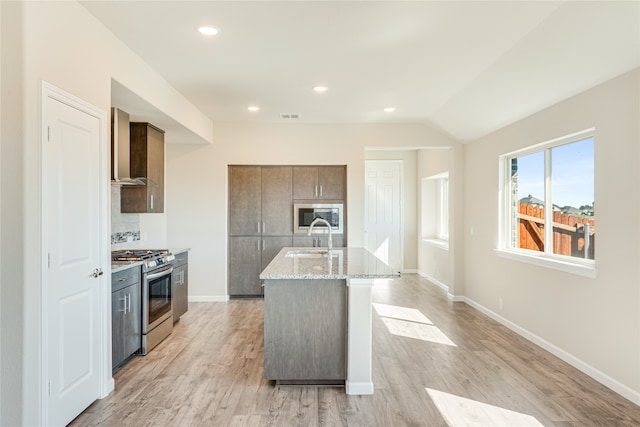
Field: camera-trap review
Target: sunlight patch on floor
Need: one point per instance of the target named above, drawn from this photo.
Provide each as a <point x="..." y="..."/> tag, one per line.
<point x="410" y="323"/>
<point x="460" y="411"/>
<point x="401" y="313"/>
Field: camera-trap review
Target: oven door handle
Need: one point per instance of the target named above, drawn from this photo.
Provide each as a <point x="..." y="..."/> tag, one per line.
<point x="161" y="273"/>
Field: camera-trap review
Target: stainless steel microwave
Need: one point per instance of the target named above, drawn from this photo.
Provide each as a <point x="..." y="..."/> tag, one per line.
<point x="305" y="213"/>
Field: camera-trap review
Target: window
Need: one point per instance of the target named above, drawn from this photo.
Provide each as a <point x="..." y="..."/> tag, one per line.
<point x="435" y="209"/>
<point x="548" y="200"/>
<point x="442" y="229"/>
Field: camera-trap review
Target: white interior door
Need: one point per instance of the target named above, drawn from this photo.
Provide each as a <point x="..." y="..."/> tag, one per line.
<point x="72" y="327"/>
<point x="383" y="215"/>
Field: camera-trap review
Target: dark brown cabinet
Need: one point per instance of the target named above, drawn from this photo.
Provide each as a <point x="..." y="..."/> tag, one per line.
<point x="318" y="241"/>
<point x="180" y="285"/>
<point x="126" y="315"/>
<point x="147" y="164"/>
<point x="260" y="201"/>
<point x="260" y="223"/>
<point x="248" y="256"/>
<point x="319" y="182"/>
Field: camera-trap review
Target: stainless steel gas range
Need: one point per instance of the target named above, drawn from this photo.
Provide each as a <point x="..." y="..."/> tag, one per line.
<point x="157" y="309"/>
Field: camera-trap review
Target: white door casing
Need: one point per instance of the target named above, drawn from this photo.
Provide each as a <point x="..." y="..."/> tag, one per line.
<point x="74" y="344"/>
<point x="383" y="212"/>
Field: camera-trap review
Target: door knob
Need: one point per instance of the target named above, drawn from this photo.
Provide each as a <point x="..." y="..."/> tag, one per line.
<point x="97" y="272"/>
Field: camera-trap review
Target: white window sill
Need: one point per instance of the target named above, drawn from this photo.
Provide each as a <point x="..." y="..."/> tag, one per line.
<point x="438" y="243"/>
<point x="580" y="269"/>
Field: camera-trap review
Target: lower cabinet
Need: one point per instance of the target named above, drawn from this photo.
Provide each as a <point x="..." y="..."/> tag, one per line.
<point x="126" y="315"/>
<point x="180" y="285"/>
<point x="248" y="256"/>
<point x="318" y="241"/>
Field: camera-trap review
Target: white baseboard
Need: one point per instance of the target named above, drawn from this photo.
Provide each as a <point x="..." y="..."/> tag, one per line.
<point x="621" y="389"/>
<point x="409" y="271"/>
<point x="207" y="298"/>
<point x="450" y="296"/>
<point x="358" y="388"/>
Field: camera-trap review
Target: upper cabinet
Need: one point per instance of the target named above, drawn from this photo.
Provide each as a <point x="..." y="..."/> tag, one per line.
<point x="319" y="182"/>
<point x="260" y="201"/>
<point x="147" y="163"/>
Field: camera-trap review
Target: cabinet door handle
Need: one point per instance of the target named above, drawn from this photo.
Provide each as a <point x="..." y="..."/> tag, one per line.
<point x="315" y="193"/>
<point x="264" y="227"/>
<point x="263" y="245"/>
<point x="258" y="227"/>
<point x="321" y="191"/>
<point x="129" y="305"/>
<point x="151" y="199"/>
<point x="258" y="245"/>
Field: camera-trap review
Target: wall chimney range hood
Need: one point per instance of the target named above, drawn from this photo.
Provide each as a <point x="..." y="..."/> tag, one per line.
<point x="121" y="150"/>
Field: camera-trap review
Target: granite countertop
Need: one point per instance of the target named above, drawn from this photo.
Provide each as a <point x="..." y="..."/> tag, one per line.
<point x="344" y="263"/>
<point x="177" y="251"/>
<point x="117" y="266"/>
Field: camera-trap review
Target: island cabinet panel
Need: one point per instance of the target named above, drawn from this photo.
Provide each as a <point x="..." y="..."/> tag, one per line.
<point x="319" y="182"/>
<point x="305" y="324"/>
<point x="147" y="163"/>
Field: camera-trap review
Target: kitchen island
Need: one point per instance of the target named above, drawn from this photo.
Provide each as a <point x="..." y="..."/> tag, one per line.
<point x="317" y="316"/>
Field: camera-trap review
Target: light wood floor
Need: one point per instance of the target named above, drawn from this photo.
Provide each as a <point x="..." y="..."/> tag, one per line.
<point x="445" y="364"/>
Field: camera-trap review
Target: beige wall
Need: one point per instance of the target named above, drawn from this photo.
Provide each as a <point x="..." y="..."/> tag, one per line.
<point x="11" y="227"/>
<point x="594" y="323"/>
<point x="434" y="262"/>
<point x="197" y="181"/>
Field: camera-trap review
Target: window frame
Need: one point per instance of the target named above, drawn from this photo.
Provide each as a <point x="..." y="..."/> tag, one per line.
<point x="442" y="208"/>
<point x="574" y="265"/>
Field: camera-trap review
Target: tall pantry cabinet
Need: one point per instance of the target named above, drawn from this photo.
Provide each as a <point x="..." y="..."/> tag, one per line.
<point x="260" y="223"/>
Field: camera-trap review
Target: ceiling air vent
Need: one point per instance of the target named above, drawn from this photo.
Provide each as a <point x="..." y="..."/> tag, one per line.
<point x="289" y="115"/>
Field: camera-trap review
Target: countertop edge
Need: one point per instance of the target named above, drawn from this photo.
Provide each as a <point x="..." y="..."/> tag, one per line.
<point x="115" y="268"/>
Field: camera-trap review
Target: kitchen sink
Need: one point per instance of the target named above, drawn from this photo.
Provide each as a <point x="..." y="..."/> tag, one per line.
<point x="308" y="253"/>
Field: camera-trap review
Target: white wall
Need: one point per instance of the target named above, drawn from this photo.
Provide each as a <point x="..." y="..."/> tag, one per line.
<point x="197" y="181"/>
<point x="409" y="200"/>
<point x="594" y="323"/>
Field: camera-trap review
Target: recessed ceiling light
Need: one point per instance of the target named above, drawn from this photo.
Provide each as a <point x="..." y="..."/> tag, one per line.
<point x="253" y="108"/>
<point x="208" y="31"/>
<point x="389" y="109"/>
<point x="320" y="89"/>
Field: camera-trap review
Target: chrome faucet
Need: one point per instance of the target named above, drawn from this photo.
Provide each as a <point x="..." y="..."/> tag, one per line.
<point x="318" y="219"/>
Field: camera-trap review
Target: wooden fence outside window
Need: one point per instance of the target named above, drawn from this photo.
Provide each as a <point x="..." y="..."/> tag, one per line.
<point x="568" y="232"/>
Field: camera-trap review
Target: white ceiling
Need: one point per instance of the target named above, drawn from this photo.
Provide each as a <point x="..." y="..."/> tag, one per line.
<point x="466" y="68"/>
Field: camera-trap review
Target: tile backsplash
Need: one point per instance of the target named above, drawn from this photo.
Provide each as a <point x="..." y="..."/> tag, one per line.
<point x="125" y="228"/>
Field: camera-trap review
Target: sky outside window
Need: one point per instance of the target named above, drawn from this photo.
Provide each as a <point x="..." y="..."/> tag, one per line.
<point x="572" y="174"/>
